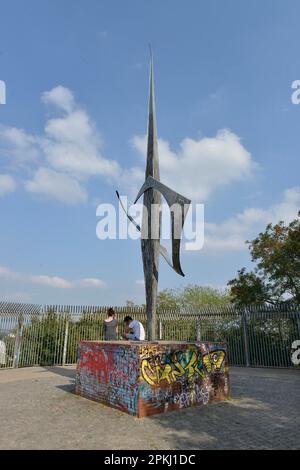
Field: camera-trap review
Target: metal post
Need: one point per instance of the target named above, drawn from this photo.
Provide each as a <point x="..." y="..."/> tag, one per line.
<point x="198" y="331"/>
<point x="160" y="330"/>
<point x="298" y="323"/>
<point x="65" y="344"/>
<point x="245" y="337"/>
<point x="18" y="342"/>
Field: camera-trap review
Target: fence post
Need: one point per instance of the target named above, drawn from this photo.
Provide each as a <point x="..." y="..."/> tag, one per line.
<point x="18" y="341"/>
<point x="65" y="343"/>
<point x="245" y="337"/>
<point x="198" y="331"/>
<point x="298" y="323"/>
<point x="160" y="330"/>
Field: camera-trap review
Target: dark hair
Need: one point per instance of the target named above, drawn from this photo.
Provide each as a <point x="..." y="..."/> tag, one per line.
<point x="110" y="312"/>
<point x="127" y="319"/>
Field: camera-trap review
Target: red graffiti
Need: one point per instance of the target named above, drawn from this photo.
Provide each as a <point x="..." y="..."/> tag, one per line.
<point x="98" y="364"/>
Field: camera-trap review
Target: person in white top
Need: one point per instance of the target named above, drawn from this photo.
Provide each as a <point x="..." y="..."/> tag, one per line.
<point x="134" y="330"/>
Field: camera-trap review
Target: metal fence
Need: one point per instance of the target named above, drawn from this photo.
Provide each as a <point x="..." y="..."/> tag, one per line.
<point x="49" y="335"/>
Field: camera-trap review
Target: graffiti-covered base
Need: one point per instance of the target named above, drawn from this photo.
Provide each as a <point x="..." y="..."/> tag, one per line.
<point x="145" y="378"/>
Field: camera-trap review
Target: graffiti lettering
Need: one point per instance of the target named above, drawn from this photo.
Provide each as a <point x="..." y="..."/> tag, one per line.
<point x="171" y="368"/>
<point x="189" y="398"/>
<point x="98" y="364"/>
<point x="156" y="395"/>
<point x="188" y="363"/>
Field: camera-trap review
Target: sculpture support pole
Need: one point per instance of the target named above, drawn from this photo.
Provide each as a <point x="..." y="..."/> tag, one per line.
<point x="150" y="240"/>
<point x="151" y="282"/>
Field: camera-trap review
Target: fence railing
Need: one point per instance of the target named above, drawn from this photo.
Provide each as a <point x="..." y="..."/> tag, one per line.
<point x="49" y="335"/>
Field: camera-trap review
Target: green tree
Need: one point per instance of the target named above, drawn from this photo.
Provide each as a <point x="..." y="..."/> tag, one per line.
<point x="168" y="299"/>
<point x="192" y="297"/>
<point x="276" y="277"/>
<point x="131" y="304"/>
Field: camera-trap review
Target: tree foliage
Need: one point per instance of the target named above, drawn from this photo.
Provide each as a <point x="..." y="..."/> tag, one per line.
<point x="276" y="277"/>
<point x="192" y="297"/>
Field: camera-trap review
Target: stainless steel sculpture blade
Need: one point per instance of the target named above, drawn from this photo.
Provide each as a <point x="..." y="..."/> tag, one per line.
<point x="179" y="206"/>
<point x="150" y="239"/>
<point x="162" y="250"/>
<point x="152" y="190"/>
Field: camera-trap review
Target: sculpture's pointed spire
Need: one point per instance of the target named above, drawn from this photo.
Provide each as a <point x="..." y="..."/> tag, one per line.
<point x="152" y="168"/>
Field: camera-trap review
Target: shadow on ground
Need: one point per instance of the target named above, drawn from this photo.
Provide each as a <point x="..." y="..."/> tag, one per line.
<point x="63" y="371"/>
<point x="39" y="410"/>
<point x="263" y="413"/>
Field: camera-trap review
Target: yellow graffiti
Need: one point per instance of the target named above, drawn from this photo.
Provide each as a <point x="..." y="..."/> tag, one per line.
<point x="148" y="351"/>
<point x="217" y="358"/>
<point x="154" y="369"/>
<point x="207" y="362"/>
<point x="154" y="372"/>
<point x="214" y="360"/>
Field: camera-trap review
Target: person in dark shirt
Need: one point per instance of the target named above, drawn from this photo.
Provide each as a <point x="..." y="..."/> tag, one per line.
<point x="110" y="326"/>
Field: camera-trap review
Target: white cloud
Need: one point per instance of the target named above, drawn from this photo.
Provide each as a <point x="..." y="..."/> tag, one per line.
<point x="204" y="165"/>
<point x="50" y="281"/>
<point x="7" y="184"/>
<point x="53" y="281"/>
<point x="140" y="282"/>
<point x="6" y="273"/>
<point x="61" y="97"/>
<point x="68" y="153"/>
<point x="71" y="142"/>
<point x="59" y="186"/>
<point x="18" y="145"/>
<point x="71" y="145"/>
<point x="92" y="282"/>
<point x="232" y="232"/>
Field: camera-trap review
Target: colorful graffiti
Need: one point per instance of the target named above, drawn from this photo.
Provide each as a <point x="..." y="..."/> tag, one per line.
<point x="178" y="377"/>
<point x="177" y="364"/>
<point x="98" y="364"/>
<point x="149" y="378"/>
<point x="170" y="367"/>
<point x="108" y="373"/>
<point x="214" y="360"/>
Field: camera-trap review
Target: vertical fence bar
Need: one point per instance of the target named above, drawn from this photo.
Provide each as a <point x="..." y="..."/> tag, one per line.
<point x="65" y="343"/>
<point x="246" y="339"/>
<point x="18" y="342"/>
<point x="160" y="331"/>
<point x="198" y="330"/>
<point x="298" y="323"/>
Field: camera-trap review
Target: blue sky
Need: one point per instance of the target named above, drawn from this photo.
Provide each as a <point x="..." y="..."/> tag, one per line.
<point x="72" y="131"/>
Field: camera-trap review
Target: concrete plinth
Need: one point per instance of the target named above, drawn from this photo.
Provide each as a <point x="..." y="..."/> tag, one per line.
<point x="145" y="378"/>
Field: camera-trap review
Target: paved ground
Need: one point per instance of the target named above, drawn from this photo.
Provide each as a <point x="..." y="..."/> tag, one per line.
<point x="39" y="411"/>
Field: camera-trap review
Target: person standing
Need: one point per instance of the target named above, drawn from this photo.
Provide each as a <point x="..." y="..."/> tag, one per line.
<point x="110" y="326"/>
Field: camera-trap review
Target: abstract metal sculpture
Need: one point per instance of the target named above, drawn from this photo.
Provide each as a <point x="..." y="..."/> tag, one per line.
<point x="152" y="190"/>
